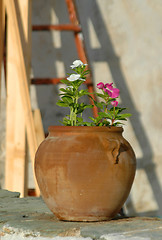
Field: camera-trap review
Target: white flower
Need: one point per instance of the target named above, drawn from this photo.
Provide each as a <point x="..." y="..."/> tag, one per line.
<point x="77" y="63"/>
<point x="74" y="77"/>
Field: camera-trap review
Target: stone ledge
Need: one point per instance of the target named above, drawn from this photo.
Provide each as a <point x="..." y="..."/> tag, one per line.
<point x="30" y="219"/>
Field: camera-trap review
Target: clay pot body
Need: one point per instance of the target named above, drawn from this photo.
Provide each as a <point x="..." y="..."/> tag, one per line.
<point x="85" y="173"/>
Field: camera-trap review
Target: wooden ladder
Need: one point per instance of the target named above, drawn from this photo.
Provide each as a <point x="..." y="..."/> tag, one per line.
<point x="75" y="27"/>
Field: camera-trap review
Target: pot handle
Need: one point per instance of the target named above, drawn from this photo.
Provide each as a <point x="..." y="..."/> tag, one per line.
<point x="114" y="149"/>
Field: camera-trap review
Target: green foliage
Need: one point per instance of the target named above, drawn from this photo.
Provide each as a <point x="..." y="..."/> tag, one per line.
<point x="109" y="117"/>
<point x="109" y="113"/>
<point x="69" y="97"/>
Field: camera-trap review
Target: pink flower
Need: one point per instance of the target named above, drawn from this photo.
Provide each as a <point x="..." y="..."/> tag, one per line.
<point x="107" y="91"/>
<point x="115" y="92"/>
<point x="114" y="103"/>
<point x="109" y="86"/>
<point x="112" y="92"/>
<point x="100" y="85"/>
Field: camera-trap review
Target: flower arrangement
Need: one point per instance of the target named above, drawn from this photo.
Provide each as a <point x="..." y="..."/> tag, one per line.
<point x="109" y="113"/>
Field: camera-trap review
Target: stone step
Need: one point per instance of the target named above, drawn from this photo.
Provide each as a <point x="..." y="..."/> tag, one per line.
<point x="30" y="219"/>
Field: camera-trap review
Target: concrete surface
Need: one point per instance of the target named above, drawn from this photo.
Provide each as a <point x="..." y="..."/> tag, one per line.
<point x="30" y="219"/>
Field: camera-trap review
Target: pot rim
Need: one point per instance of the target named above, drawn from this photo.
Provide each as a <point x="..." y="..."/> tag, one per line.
<point x="84" y="129"/>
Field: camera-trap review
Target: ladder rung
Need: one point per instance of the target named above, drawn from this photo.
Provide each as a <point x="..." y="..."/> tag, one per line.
<point x="60" y="27"/>
<point x="43" y="81"/>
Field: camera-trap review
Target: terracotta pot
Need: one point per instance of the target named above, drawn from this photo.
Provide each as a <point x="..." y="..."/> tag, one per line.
<point x="85" y="173"/>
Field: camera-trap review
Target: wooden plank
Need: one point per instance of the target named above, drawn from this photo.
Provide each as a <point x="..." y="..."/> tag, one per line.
<point x="15" y="131"/>
<point x="19" y="65"/>
<point x="38" y="126"/>
<point x="2" y="31"/>
<point x="16" y="161"/>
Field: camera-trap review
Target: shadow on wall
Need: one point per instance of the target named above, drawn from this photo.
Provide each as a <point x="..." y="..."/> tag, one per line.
<point x="105" y="53"/>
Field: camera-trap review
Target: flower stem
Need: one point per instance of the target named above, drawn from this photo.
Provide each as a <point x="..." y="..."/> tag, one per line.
<point x="71" y="116"/>
<point x="75" y="113"/>
<point x="112" y="122"/>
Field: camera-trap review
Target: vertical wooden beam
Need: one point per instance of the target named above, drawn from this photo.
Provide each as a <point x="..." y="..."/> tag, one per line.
<point x="16" y="171"/>
<point x="38" y="126"/>
<point x="2" y="31"/>
<point x="18" y="99"/>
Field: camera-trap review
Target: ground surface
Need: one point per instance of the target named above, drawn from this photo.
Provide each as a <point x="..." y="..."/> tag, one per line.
<point x="30" y="219"/>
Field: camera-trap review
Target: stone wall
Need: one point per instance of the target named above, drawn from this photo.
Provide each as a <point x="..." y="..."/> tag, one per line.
<point x="124" y="46"/>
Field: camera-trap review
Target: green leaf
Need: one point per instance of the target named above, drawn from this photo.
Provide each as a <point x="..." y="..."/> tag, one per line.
<point x="106" y="122"/>
<point x="67" y="99"/>
<point x="125" y="115"/>
<point x="80" y="110"/>
<point x="92" y="118"/>
<point x="63" y="89"/>
<point x="121" y="118"/>
<point x="121" y="109"/>
<point x="111" y="100"/>
<point x="100" y="105"/>
<point x="62" y="104"/>
<point x="83" y="93"/>
<point x="79" y="119"/>
<point x="81" y="107"/>
<point x="66" y="91"/>
<point x="86" y="72"/>
<point x="117" y="123"/>
<point x="105" y="115"/>
<point x="88" y="106"/>
<point x="100" y="95"/>
<point x="66" y="95"/>
<point x="65" y="81"/>
<point x="89" y="124"/>
<point x="66" y="121"/>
